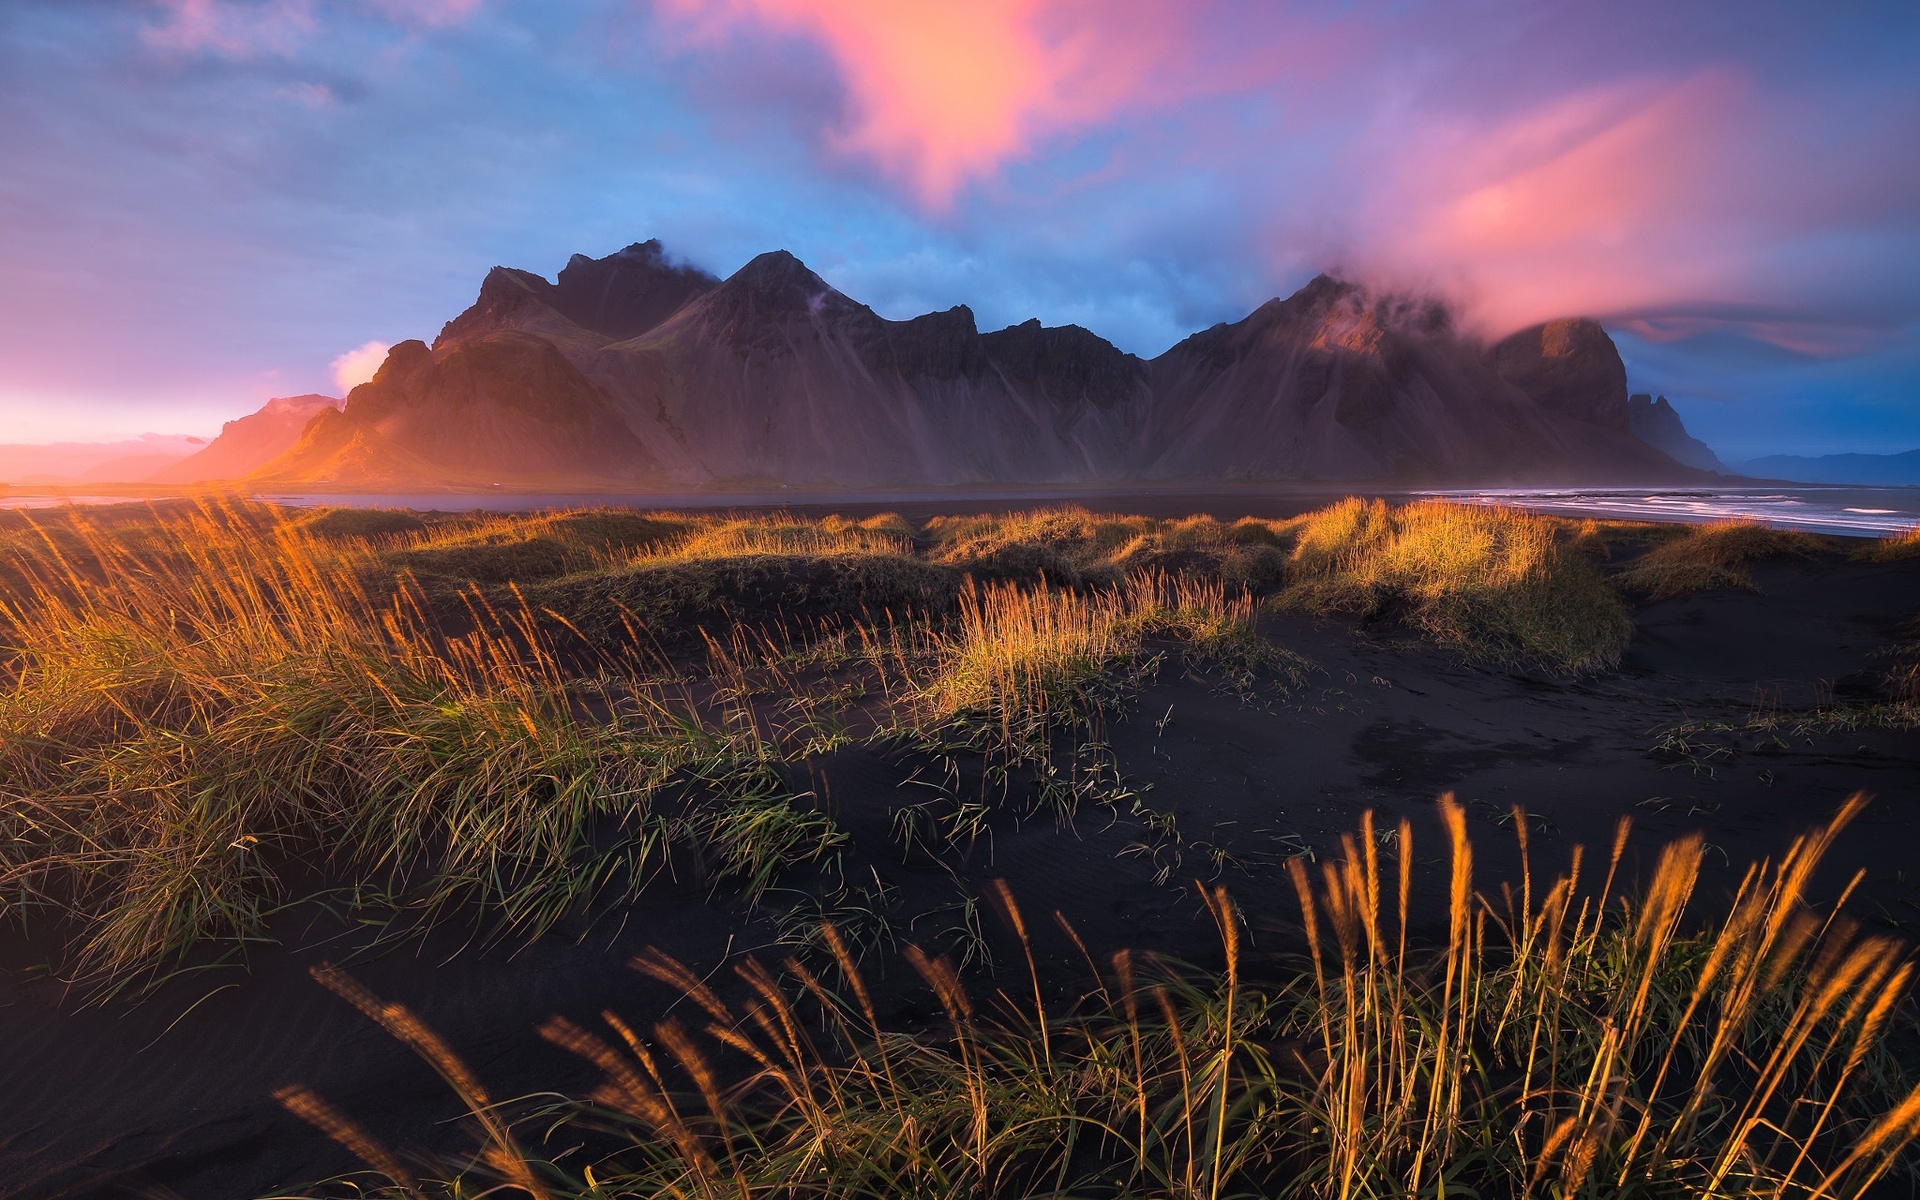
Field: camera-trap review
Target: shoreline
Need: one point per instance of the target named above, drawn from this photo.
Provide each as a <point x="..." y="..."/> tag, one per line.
<point x="1832" y="509"/>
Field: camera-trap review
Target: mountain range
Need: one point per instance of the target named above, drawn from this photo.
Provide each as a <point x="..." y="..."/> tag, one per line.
<point x="1864" y="470"/>
<point x="635" y="370"/>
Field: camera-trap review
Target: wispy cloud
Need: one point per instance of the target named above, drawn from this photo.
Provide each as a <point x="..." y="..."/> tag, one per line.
<point x="232" y="28"/>
<point x="250" y="29"/>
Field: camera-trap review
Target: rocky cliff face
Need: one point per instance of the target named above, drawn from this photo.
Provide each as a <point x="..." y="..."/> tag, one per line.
<point x="614" y="298"/>
<point x="248" y="443"/>
<point x="635" y="369"/>
<point x="1654" y="422"/>
<point x="1570" y="368"/>
<point x="499" y="406"/>
<point x="1337" y="383"/>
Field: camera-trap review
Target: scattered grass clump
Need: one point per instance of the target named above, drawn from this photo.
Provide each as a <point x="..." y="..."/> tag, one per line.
<point x="760" y="571"/>
<point x="752" y="838"/>
<point x="1895" y="547"/>
<point x="185" y="742"/>
<point x="1709" y="557"/>
<point x="1498" y="584"/>
<point x="746" y="537"/>
<point x="1029" y="658"/>
<point x="1075" y="547"/>
<point x="671" y="601"/>
<point x="1560" y="1042"/>
<point x="526" y="549"/>
<point x="362" y="522"/>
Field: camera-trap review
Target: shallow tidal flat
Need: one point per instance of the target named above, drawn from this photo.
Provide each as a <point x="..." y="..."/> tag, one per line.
<point x="481" y="763"/>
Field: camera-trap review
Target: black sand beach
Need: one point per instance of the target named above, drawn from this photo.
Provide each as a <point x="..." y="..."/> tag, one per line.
<point x="1710" y="724"/>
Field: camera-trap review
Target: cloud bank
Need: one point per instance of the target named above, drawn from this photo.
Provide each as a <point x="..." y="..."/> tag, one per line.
<point x="240" y="187"/>
<point x="1617" y="193"/>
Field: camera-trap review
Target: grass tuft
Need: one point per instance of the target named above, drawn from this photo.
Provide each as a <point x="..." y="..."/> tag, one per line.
<point x="187" y="741"/>
<point x="1559" y="1041"/>
<point x="1500" y="585"/>
<point x="1896" y="547"/>
<point x="1075" y="547"/>
<point x="1028" y="658"/>
<point x="1710" y="557"/>
<point x="783" y="536"/>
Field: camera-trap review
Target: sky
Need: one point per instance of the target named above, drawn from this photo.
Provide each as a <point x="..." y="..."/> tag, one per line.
<point x="205" y="203"/>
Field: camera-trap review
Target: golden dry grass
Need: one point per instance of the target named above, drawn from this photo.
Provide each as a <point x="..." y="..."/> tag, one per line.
<point x="1498" y="584"/>
<point x="1897" y="547"/>
<point x="513" y="548"/>
<point x="195" y="697"/>
<point x="745" y="537"/>
<point x="1074" y="546"/>
<point x="1560" y="1042"/>
<point x="1018" y="655"/>
<point x="195" y="702"/>
<point x="1706" y="557"/>
<point x="527" y="549"/>
<point x="178" y="730"/>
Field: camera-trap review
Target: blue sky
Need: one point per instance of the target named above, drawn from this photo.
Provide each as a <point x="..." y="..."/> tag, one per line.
<point x="207" y="202"/>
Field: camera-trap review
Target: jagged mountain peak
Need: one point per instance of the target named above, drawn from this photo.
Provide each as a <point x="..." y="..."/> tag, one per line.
<point x="648" y="253"/>
<point x="629" y="292"/>
<point x="309" y="403"/>
<point x="779" y="279"/>
<point x="1654" y="421"/>
<point x="1331" y="314"/>
<point x="1569" y="366"/>
<point x="774" y="291"/>
<point x="621" y="296"/>
<point x="774" y="375"/>
<point x="248" y="443"/>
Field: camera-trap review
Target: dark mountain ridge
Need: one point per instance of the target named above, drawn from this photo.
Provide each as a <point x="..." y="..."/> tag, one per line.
<point x="1653" y="421"/>
<point x="1864" y="470"/>
<point x="636" y="370"/>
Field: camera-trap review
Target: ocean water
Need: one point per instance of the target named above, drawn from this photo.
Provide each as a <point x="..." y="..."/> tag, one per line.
<point x="1855" y="511"/>
<point x="1858" y="511"/>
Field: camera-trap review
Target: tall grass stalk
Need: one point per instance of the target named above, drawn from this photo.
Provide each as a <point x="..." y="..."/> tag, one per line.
<point x="1562" y="1040"/>
<point x="1021" y="655"/>
<point x="188" y="740"/>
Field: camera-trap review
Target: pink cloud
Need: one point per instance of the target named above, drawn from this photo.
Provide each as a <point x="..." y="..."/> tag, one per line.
<point x="1349" y="144"/>
<point x="943" y="93"/>
<point x="230" y="28"/>
<point x="261" y="28"/>
<point x="1606" y="199"/>
<point x="1612" y="200"/>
